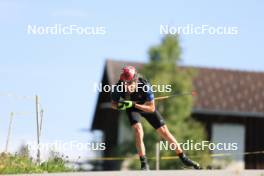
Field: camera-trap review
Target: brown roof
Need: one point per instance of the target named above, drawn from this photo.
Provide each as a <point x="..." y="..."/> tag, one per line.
<point x="219" y="90"/>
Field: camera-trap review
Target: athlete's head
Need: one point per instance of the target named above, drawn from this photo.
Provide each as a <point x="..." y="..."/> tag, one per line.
<point x="129" y="76"/>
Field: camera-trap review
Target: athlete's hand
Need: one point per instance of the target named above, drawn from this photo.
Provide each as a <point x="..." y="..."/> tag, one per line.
<point x="123" y="105"/>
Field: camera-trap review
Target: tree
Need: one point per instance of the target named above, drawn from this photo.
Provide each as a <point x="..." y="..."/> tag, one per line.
<point x="163" y="70"/>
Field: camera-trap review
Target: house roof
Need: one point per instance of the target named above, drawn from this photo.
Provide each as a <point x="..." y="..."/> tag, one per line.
<point x="232" y="92"/>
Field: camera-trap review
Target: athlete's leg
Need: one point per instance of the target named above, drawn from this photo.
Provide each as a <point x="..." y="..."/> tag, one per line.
<point x="166" y="134"/>
<point x="133" y="117"/>
<point x="138" y="131"/>
<point x="157" y="121"/>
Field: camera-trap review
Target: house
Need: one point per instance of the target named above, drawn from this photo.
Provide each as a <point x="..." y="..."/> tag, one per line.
<point x="230" y="103"/>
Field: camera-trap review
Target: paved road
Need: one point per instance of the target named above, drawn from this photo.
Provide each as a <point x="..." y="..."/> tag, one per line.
<point x="159" y="173"/>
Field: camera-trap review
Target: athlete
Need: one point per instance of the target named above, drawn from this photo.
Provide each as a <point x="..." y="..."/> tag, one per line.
<point x="137" y="100"/>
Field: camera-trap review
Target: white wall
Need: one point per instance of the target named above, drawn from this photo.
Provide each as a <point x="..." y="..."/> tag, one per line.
<point x="230" y="133"/>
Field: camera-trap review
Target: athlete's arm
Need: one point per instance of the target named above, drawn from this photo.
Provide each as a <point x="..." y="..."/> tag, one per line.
<point x="148" y="106"/>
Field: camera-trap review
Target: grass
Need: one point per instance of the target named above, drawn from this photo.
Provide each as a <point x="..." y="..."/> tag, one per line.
<point x="23" y="163"/>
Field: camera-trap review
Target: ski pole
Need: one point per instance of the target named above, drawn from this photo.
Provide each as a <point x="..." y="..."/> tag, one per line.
<point x="193" y="93"/>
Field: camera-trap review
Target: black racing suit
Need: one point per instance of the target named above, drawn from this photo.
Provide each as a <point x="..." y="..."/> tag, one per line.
<point x="142" y="94"/>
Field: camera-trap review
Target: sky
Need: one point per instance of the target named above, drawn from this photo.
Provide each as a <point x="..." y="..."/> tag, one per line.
<point x="62" y="69"/>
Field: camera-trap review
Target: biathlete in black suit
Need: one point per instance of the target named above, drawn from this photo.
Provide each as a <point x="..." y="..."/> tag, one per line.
<point x="137" y="100"/>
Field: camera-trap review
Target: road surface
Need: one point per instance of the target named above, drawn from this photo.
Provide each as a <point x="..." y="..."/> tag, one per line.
<point x="158" y="173"/>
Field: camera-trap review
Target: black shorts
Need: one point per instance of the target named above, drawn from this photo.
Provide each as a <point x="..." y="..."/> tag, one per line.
<point x="154" y="118"/>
